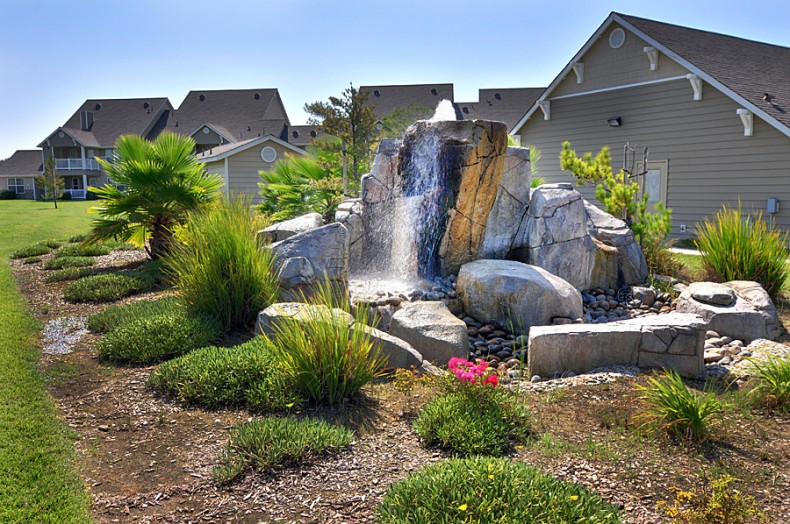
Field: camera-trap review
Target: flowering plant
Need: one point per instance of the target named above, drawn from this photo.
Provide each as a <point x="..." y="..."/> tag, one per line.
<point x="469" y="372"/>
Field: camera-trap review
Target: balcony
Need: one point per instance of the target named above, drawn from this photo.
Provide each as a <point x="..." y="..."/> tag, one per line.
<point x="68" y="164"/>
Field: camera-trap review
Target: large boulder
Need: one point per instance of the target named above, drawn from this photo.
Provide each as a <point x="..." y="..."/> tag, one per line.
<point x="399" y="353"/>
<point x="307" y="258"/>
<point x="578" y="242"/>
<point x="673" y="341"/>
<point x="738" y="309"/>
<point x="288" y="228"/>
<point x="430" y="328"/>
<point x="516" y="295"/>
<point x="510" y="205"/>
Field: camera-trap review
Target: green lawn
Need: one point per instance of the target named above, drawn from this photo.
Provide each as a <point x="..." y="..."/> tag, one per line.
<point x="38" y="482"/>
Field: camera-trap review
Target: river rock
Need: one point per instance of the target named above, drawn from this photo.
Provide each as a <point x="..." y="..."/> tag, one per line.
<point x="432" y="330"/>
<point x="515" y="295"/>
<point x="288" y="228"/>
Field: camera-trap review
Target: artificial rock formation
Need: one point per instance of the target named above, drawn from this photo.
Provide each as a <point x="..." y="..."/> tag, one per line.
<point x="514" y="295"/>
<point x="430" y="328"/>
<point x="288" y="228"/>
<point x="739" y="309"/>
<point x="578" y="242"/>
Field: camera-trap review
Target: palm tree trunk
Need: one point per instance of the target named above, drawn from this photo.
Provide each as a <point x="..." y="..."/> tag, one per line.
<point x="161" y="238"/>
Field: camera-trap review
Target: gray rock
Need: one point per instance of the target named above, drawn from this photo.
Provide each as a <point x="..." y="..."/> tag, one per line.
<point x="645" y="295"/>
<point x="751" y="316"/>
<point x="431" y="329"/>
<point x="269" y="319"/>
<point x="510" y="205"/>
<point x="515" y="295"/>
<point x="673" y="341"/>
<point x="712" y="293"/>
<point x="288" y="228"/>
<point x="400" y="354"/>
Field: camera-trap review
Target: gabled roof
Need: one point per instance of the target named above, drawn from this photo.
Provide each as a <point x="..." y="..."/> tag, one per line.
<point x="226" y="150"/>
<point x="238" y="114"/>
<point x="113" y="118"/>
<point x="506" y="105"/>
<point x="743" y="70"/>
<point x="25" y="162"/>
<point x="386" y="99"/>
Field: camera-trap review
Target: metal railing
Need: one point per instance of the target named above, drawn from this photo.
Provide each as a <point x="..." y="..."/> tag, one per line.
<point x="76" y="194"/>
<point x="67" y="164"/>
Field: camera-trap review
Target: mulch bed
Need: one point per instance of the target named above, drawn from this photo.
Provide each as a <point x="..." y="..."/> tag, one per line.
<point x="146" y="459"/>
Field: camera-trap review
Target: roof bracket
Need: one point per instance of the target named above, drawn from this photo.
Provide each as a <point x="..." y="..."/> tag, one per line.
<point x="578" y="68"/>
<point x="652" y="55"/>
<point x="545" y="106"/>
<point x="696" y="85"/>
<point x="747" y="119"/>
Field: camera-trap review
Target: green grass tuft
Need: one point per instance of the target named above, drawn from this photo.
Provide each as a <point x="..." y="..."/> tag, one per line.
<point x="155" y="338"/>
<point x="219" y="377"/>
<point x="34" y="250"/>
<point x="681" y="412"/>
<point x="83" y="250"/>
<point x="474" y="419"/>
<point x="68" y="273"/>
<point x="66" y="262"/>
<point x="32" y="260"/>
<point x="487" y="489"/>
<point x="736" y="246"/>
<point x="114" y="317"/>
<point x="106" y="288"/>
<point x="773" y="382"/>
<point x="266" y="443"/>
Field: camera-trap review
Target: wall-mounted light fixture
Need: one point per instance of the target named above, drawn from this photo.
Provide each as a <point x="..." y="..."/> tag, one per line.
<point x="615" y="122"/>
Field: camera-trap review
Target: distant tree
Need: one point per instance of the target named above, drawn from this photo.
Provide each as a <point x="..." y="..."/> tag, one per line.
<point x="51" y="182"/>
<point x="298" y="185"/>
<point x="164" y="181"/>
<point x="351" y="119"/>
<point x="395" y="124"/>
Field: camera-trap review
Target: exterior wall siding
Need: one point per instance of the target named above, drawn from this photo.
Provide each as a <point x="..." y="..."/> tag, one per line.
<point x="710" y="161"/>
<point x="604" y="66"/>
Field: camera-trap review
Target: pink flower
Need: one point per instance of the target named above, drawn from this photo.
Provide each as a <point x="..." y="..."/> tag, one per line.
<point x="455" y="362"/>
<point x="467" y="376"/>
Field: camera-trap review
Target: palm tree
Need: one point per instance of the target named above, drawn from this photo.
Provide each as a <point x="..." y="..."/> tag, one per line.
<point x="298" y="185"/>
<point x="164" y="181"/>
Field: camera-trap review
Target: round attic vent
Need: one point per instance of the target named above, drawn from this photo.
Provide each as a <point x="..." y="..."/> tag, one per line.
<point x="61" y="134"/>
<point x="376" y="92"/>
<point x="257" y="96"/>
<point x="434" y="92"/>
<point x="465" y="110"/>
<point x="313" y="134"/>
<point x="97" y="107"/>
<point x="146" y="105"/>
<point x="202" y="97"/>
<point x="498" y="96"/>
<point x="295" y="134"/>
<point x="268" y="154"/>
<point x="205" y="131"/>
<point x="617" y="38"/>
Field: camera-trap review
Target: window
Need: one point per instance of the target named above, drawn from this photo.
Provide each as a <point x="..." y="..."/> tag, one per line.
<point x="268" y="154"/>
<point x="17" y="185"/>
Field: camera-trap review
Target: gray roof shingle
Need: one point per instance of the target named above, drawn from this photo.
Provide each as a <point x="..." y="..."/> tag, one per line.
<point x="239" y="114"/>
<point x="386" y="99"/>
<point x="750" y="69"/>
<point x="506" y="105"/>
<point x="25" y="162"/>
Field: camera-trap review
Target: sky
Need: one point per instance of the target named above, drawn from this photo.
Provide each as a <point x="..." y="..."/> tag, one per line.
<point x="55" y="54"/>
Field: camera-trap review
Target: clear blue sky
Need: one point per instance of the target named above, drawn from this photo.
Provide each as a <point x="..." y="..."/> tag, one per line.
<point x="54" y="54"/>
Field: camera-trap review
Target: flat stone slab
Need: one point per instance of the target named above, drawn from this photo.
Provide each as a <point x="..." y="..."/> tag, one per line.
<point x="432" y="330"/>
<point x="712" y="293"/>
<point x="673" y="341"/>
<point x="288" y="228"/>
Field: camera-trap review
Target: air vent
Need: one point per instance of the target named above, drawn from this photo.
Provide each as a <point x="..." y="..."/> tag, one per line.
<point x="202" y="98"/>
<point x="376" y="92"/>
<point x="206" y="130"/>
<point x="257" y="96"/>
<point x="498" y="96"/>
<point x="434" y="92"/>
<point x="313" y="134"/>
<point x="617" y="38"/>
<point x="295" y="134"/>
<point x="97" y="107"/>
<point x="465" y="110"/>
<point x="146" y="105"/>
<point x="268" y="154"/>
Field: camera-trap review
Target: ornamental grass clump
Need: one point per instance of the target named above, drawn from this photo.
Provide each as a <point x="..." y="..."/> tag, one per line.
<point x="488" y="489"/>
<point x="83" y="250"/>
<point x="219" y="268"/>
<point x="114" y="317"/>
<point x="473" y="416"/>
<point x="107" y="287"/>
<point x="68" y="273"/>
<point x="69" y="262"/>
<point x="267" y="443"/>
<point x="34" y="250"/>
<point x="772" y="382"/>
<point x="684" y="414"/>
<point x="736" y="246"/>
<point x="219" y="377"/>
<point x="327" y="357"/>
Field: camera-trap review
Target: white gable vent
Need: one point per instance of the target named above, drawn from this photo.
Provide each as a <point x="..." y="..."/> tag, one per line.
<point x="617" y="38"/>
<point x="268" y="154"/>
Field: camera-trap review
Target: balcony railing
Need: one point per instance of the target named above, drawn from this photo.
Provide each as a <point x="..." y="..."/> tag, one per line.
<point x="66" y="164"/>
<point x="76" y="194"/>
